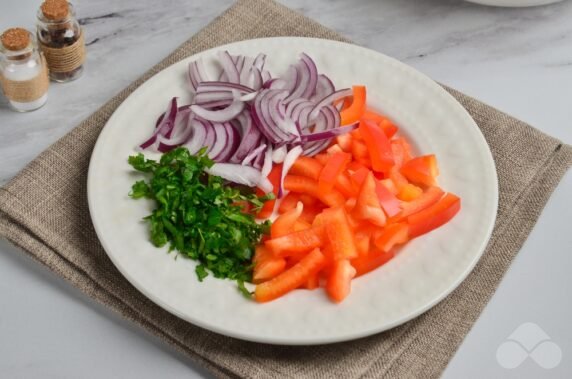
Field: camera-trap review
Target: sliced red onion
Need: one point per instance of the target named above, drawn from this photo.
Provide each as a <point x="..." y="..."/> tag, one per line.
<point x="324" y="87"/>
<point x="302" y="80"/>
<point x="229" y="67"/>
<point x="236" y="173"/>
<point x="250" y="138"/>
<point x="250" y="157"/>
<point x="165" y="126"/>
<point x="197" y="73"/>
<point x="289" y="160"/>
<point x="279" y="154"/>
<point x="259" y="61"/>
<point x="258" y="161"/>
<point x="246" y="70"/>
<point x="312" y="76"/>
<point x="210" y="137"/>
<point x="181" y="133"/>
<point x="222" y="115"/>
<point x="198" y="136"/>
<point x="328" y="133"/>
<point x="265" y="115"/>
<point x="328" y="100"/>
<point x="248" y="96"/>
<point x="219" y="141"/>
<point x="231" y="143"/>
<point x="267" y="166"/>
<point x="213" y="86"/>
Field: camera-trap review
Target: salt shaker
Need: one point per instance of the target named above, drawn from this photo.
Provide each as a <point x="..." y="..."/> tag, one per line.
<point x="23" y="71"/>
<point x="61" y="40"/>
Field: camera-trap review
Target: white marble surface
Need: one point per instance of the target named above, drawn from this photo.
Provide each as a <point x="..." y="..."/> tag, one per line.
<point x="519" y="60"/>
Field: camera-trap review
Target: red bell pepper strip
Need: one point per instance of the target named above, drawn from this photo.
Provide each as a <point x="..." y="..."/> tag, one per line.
<point x="340" y="235"/>
<point x="428" y="198"/>
<point x="285" y="223"/>
<point x="366" y="263"/>
<point x="390" y="204"/>
<point x="367" y="204"/>
<point x="334" y="167"/>
<point x="378" y="146"/>
<point x="297" y="242"/>
<point x="421" y="170"/>
<point x="306" y="166"/>
<point x="354" y="112"/>
<point x="338" y="285"/>
<point x="434" y="216"/>
<point x="290" y="279"/>
<point x="302" y="184"/>
<point x="385" y="239"/>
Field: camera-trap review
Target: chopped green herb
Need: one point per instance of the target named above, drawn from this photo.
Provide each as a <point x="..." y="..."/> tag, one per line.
<point x="200" y="216"/>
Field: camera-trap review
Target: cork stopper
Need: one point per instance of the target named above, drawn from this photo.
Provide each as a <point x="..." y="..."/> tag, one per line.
<point x="55" y="10"/>
<point x="15" y="39"/>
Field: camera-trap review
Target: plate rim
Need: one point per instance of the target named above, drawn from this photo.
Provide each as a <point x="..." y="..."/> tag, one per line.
<point x="315" y="341"/>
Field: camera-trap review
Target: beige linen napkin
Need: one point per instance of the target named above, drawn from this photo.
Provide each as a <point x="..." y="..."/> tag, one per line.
<point x="44" y="212"/>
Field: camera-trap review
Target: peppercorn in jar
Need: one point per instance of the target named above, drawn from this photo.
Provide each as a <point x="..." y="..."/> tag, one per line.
<point x="61" y="40"/>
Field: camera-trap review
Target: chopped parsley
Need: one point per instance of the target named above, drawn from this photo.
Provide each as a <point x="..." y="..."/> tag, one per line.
<point x="200" y="216"/>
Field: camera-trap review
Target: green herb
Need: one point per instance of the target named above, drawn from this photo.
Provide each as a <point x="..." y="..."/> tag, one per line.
<point x="199" y="215"/>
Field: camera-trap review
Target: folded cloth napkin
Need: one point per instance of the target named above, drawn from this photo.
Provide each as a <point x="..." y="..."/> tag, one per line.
<point x="44" y="211"/>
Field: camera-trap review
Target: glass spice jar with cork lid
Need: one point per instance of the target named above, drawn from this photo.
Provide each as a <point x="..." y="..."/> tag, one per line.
<point x="23" y="71"/>
<point x="61" y="40"/>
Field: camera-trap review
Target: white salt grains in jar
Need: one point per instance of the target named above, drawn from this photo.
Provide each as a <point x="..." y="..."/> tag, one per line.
<point x="23" y="71"/>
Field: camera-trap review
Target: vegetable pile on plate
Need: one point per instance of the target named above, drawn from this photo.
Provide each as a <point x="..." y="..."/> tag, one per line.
<point x="346" y="188"/>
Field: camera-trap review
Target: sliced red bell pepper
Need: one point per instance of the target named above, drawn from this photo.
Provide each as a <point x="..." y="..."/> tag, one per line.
<point x="336" y="164"/>
<point x="434" y="216"/>
<point x="335" y="148"/>
<point x="345" y="186"/>
<point x="388" y="183"/>
<point x="352" y="114"/>
<point x="367" y="204"/>
<point x="358" y="177"/>
<point x="340" y="235"/>
<point x="274" y="178"/>
<point x="359" y="150"/>
<point x="427" y="198"/>
<point x="345" y="142"/>
<point x="285" y="223"/>
<point x="288" y="202"/>
<point x="409" y="192"/>
<point x="390" y="204"/>
<point x="266" y="265"/>
<point x="366" y="263"/>
<point x="421" y="170"/>
<point x="378" y="146"/>
<point x="338" y="285"/>
<point x="397" y="178"/>
<point x="385" y="239"/>
<point x="383" y="122"/>
<point x="301" y="184"/>
<point x="306" y="166"/>
<point x="290" y="279"/>
<point x="297" y="242"/>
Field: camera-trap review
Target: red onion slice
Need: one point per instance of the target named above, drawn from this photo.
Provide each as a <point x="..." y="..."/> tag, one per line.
<point x="165" y="126"/>
<point x="312" y="76"/>
<point x="236" y="173"/>
<point x="232" y="139"/>
<point x="229" y="67"/>
<point x="222" y="115"/>
<point x="328" y="100"/>
<point x="250" y="138"/>
<point x="289" y="160"/>
<point x="197" y="73"/>
<point x="251" y="156"/>
<point x="324" y="87"/>
<point x="198" y="136"/>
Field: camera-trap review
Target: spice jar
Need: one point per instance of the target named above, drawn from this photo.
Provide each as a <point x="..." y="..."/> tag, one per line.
<point x="61" y="40"/>
<point x="23" y="71"/>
